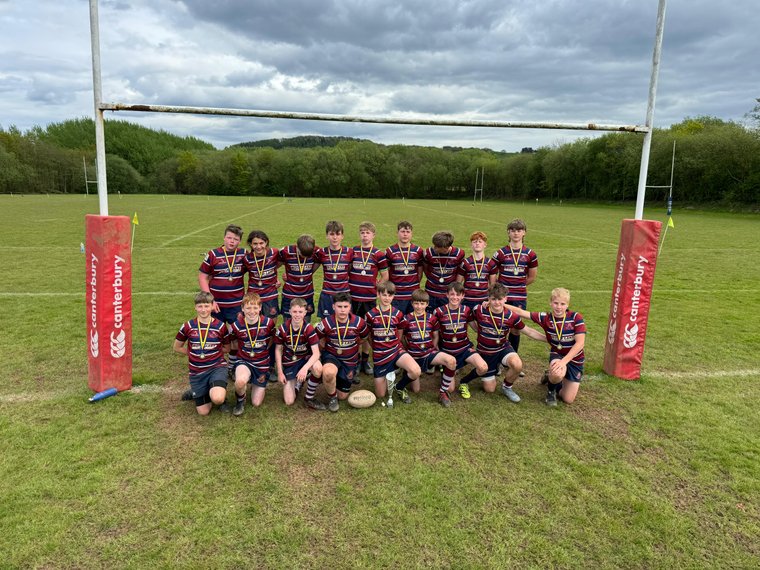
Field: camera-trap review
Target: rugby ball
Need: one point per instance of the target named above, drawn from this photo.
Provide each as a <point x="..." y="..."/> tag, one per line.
<point x="361" y="399"/>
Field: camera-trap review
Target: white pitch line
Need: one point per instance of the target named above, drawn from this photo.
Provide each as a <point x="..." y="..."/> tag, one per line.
<point x="678" y="375"/>
<point x="220" y="224"/>
<point x="501" y="223"/>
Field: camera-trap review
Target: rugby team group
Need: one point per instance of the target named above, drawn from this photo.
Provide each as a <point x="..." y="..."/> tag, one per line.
<point x="372" y="301"/>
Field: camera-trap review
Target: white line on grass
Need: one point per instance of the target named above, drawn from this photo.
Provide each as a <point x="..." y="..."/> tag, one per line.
<point x="683" y="375"/>
<point x="221" y="224"/>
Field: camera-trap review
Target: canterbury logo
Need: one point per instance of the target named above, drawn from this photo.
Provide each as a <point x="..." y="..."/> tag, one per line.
<point x="94" y="344"/>
<point x="611" y="333"/>
<point x="118" y="344"/>
<point x="630" y="336"/>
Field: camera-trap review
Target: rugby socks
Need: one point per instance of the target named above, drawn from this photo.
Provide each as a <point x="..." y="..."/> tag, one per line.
<point x="311" y="388"/>
<point x="507" y="384"/>
<point x="471" y="375"/>
<point x="239" y="397"/>
<point x="364" y="358"/>
<point x="446" y="380"/>
<point x="514" y="340"/>
<point x="404" y="382"/>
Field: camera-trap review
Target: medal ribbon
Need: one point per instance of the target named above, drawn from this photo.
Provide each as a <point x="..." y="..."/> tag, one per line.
<point x="335" y="263"/>
<point x="253" y="340"/>
<point x="459" y="315"/>
<point x="294" y="346"/>
<point x="202" y="338"/>
<point x="364" y="261"/>
<point x="230" y="266"/>
<point x="423" y="328"/>
<point x="263" y="263"/>
<point x="345" y="331"/>
<point x="515" y="258"/>
<point x="500" y="330"/>
<point x="438" y="262"/>
<point x="559" y="330"/>
<point x="300" y="265"/>
<point x="405" y="259"/>
<point x="479" y="272"/>
<point x="387" y="327"/>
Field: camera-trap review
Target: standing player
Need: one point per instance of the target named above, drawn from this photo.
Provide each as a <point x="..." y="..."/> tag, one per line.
<point x="475" y="272"/>
<point x="566" y="334"/>
<point x="340" y="335"/>
<point x="296" y="356"/>
<point x="261" y="263"/>
<point x="383" y="322"/>
<point x="494" y="323"/>
<point x="421" y="340"/>
<point x="404" y="267"/>
<point x="204" y="340"/>
<point x="453" y="319"/>
<point x="300" y="264"/>
<point x="441" y="264"/>
<point x="336" y="264"/>
<point x="517" y="267"/>
<point x="252" y="336"/>
<point x="221" y="274"/>
<point x="368" y="263"/>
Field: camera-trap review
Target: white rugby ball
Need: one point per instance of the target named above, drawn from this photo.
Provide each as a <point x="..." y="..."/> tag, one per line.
<point x="361" y="399"/>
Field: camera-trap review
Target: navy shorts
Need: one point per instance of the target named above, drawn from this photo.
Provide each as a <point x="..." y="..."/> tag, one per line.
<point x="463" y="356"/>
<point x="202" y="383"/>
<point x="472" y="304"/>
<point x="291" y="369"/>
<point x="270" y="308"/>
<point x="425" y="361"/>
<point x="227" y="314"/>
<point x="436" y="302"/>
<point x="382" y="369"/>
<point x="346" y="373"/>
<point x="361" y="308"/>
<point x="285" y="307"/>
<point x="325" y="307"/>
<point x="403" y="305"/>
<point x="494" y="360"/>
<point x="258" y="378"/>
<point x="574" y="372"/>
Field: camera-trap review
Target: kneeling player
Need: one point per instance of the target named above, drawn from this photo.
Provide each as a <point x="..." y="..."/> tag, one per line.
<point x="387" y="353"/>
<point x="566" y="334"/>
<point x="252" y="334"/>
<point x="296" y="356"/>
<point x="204" y="340"/>
<point x="494" y="324"/>
<point x="341" y="334"/>
<point x="452" y="326"/>
<point x="421" y="340"/>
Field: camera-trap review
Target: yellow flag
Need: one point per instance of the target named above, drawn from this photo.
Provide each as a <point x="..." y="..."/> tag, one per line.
<point x="134" y="220"/>
<point x="670" y="222"/>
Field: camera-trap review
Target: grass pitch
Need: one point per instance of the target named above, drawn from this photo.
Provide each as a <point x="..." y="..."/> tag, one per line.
<point x="660" y="472"/>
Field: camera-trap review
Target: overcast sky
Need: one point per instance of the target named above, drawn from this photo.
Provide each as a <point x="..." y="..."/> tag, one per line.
<point x="574" y="61"/>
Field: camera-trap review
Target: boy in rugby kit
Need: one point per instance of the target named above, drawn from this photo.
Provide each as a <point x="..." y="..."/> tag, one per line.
<point x="475" y="272"/>
<point x="404" y="267"/>
<point x="336" y="264"/>
<point x="453" y="319"/>
<point x="368" y="264"/>
<point x="383" y="322"/>
<point x="516" y="268"/>
<point x="204" y="340"/>
<point x="252" y="335"/>
<point x="441" y="264"/>
<point x="566" y="334"/>
<point x="297" y="356"/>
<point x="261" y="263"/>
<point x="494" y="324"/>
<point x="340" y="336"/>
<point x="421" y="341"/>
<point x="300" y="264"/>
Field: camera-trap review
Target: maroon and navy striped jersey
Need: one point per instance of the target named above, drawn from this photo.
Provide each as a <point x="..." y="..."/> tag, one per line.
<point x="362" y="279"/>
<point x="262" y="273"/>
<point x="441" y="269"/>
<point x="253" y="341"/>
<point x="343" y="340"/>
<point x="204" y="344"/>
<point x="512" y="267"/>
<point x="418" y="334"/>
<point x="335" y="264"/>
<point x="571" y="325"/>
<point x="402" y="269"/>
<point x="299" y="272"/>
<point x="226" y="271"/>
<point x="493" y="328"/>
<point x="296" y="342"/>
<point x="476" y="274"/>
<point x="384" y="330"/>
<point x="452" y="329"/>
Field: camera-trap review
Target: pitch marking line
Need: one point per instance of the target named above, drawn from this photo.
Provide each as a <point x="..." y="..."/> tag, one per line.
<point x="687" y="375"/>
<point x="220" y="224"/>
<point x="449" y="213"/>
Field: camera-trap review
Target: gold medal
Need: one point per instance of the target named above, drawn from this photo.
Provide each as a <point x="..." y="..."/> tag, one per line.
<point x="229" y="278"/>
<point x="364" y="272"/>
<point x="406" y="272"/>
<point x="259" y="282"/>
<point x="339" y="351"/>
<point x="203" y="356"/>
<point x="454" y="339"/>
<point x="301" y="279"/>
<point x="515" y="271"/>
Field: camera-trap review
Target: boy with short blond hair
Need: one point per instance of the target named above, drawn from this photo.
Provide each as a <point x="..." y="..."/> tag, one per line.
<point x="475" y="271"/>
<point x="204" y="339"/>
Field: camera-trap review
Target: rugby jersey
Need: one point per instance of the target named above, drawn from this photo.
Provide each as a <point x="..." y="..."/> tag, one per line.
<point x="402" y="269"/>
<point x="226" y="271"/>
<point x="568" y="326"/>
<point x="513" y="266"/>
<point x="299" y="272"/>
<point x="344" y="337"/>
<point x="262" y="273"/>
<point x="366" y="265"/>
<point x="335" y="264"/>
<point x="452" y="329"/>
<point x="418" y="334"/>
<point x="476" y="274"/>
<point x="204" y="344"/>
<point x="296" y="342"/>
<point x="253" y="341"/>
<point x="384" y="330"/>
<point x="441" y="270"/>
<point x="493" y="328"/>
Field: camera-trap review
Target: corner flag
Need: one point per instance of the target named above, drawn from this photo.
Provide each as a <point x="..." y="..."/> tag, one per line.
<point x="134" y="223"/>
<point x="670" y="222"/>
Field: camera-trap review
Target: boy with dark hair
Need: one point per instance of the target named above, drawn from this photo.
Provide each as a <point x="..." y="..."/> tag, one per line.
<point x="252" y="336"/>
<point x="441" y="263"/>
<point x="340" y="336"/>
<point x="300" y="263"/>
<point x="336" y="264"/>
<point x="261" y="263"/>
<point x="368" y="264"/>
<point x="204" y="340"/>
<point x="421" y="341"/>
<point x="566" y="334"/>
<point x="297" y="356"/>
<point x="404" y="267"/>
<point x="494" y="323"/>
<point x="387" y="352"/>
<point x="475" y="272"/>
<point x="453" y="319"/>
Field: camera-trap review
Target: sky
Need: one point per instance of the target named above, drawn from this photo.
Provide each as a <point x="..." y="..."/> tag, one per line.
<point x="570" y="61"/>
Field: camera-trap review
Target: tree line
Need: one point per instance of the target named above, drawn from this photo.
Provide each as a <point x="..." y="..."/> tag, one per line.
<point x="716" y="162"/>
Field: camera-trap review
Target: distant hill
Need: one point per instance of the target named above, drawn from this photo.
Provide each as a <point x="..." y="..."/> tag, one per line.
<point x="305" y="141"/>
